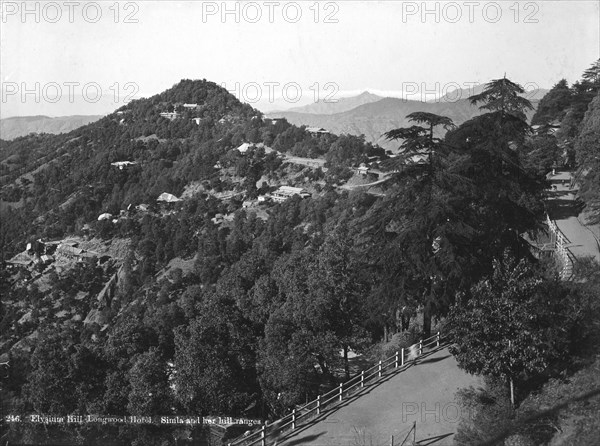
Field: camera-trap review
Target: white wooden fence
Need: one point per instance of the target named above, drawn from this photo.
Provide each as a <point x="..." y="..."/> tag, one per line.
<point x="300" y="415"/>
<point x="564" y="254"/>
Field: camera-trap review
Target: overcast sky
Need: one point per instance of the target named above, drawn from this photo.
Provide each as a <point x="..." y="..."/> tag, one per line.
<point x="278" y="51"/>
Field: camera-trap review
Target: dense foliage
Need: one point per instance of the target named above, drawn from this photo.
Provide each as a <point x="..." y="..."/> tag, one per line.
<point x="267" y="310"/>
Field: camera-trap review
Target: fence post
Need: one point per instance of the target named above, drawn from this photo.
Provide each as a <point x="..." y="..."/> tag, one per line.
<point x="396" y="361"/>
<point x="380" y="369"/>
<point x="438" y="339"/>
<point x="294" y="418"/>
<point x="402" y="357"/>
<point x="392" y="441"/>
<point x="262" y="435"/>
<point x="362" y="378"/>
<point x="341" y="391"/>
<point x="318" y="404"/>
<point x="420" y="347"/>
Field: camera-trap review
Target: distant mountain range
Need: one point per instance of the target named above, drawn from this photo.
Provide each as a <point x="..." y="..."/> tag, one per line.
<point x="328" y="107"/>
<point x="11" y="128"/>
<point x="463" y="93"/>
<point x="376" y="117"/>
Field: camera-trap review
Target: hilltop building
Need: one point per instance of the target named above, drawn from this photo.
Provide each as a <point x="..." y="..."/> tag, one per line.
<point x="317" y="131"/>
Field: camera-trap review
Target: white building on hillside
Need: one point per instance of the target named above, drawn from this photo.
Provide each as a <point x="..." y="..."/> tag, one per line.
<point x="285" y="192"/>
<point x="244" y="148"/>
<point x="170" y="115"/>
<point x="363" y="169"/>
<point x="122" y="164"/>
<point x="166" y="197"/>
<point x="317" y="130"/>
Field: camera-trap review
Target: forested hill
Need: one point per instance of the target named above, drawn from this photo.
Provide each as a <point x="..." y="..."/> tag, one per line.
<point x="159" y="262"/>
<point x="39" y="173"/>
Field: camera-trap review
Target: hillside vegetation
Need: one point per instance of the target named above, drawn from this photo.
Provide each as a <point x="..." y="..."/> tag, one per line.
<point x="123" y="295"/>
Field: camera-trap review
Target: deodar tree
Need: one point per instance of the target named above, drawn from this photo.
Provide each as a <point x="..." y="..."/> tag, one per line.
<point x="417" y="237"/>
<point x="587" y="149"/>
<point x="506" y="199"/>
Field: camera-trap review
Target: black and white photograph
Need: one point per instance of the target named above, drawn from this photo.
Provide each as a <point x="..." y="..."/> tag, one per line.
<point x="310" y="222"/>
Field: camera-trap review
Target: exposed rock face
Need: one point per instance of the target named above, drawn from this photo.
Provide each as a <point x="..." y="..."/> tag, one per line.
<point x="108" y="292"/>
<point x="95" y="316"/>
<point x="26" y="344"/>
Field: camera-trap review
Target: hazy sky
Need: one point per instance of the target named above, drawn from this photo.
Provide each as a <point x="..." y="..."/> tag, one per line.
<point x="55" y="52"/>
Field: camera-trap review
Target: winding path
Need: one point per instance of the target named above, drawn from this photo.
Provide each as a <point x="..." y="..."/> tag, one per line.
<point x="424" y="393"/>
<point x="582" y="241"/>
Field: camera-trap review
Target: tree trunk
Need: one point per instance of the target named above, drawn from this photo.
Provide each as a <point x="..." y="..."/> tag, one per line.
<point x="346" y="364"/>
<point x="323" y="365"/>
<point x="512" y="392"/>
<point x="385" y="333"/>
<point x="427" y="320"/>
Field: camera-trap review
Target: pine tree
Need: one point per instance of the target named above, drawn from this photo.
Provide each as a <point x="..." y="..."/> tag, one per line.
<point x="507" y="199"/>
<point x="587" y="150"/>
<point x="554" y="105"/>
<point x="503" y="96"/>
<point x="417" y="234"/>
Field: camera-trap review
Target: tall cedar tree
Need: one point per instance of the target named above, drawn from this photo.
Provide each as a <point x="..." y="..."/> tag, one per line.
<point x="508" y="199"/>
<point x="587" y="150"/>
<point x="417" y="237"/>
<point x="582" y="93"/>
<point x="554" y="104"/>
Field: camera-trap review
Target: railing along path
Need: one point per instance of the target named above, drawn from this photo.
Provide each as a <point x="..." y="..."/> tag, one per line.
<point x="292" y="421"/>
<point x="565" y="255"/>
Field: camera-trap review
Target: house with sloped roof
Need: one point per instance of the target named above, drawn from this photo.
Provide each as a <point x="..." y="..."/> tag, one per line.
<point x="166" y="197"/>
<point x="244" y="148"/>
<point x="286" y="192"/>
<point x="363" y="169"/>
<point x="22" y="259"/>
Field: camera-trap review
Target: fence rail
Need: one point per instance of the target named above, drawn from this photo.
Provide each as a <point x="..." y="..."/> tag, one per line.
<point x="290" y="422"/>
<point x="565" y="255"/>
